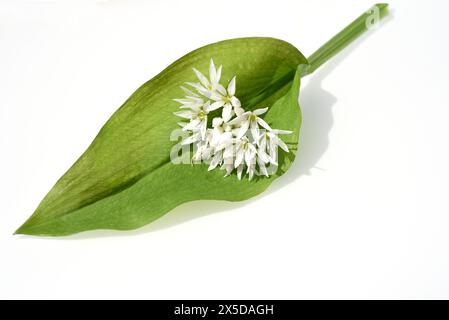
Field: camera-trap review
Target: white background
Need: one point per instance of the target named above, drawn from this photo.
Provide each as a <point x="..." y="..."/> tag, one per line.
<point x="363" y="213"/>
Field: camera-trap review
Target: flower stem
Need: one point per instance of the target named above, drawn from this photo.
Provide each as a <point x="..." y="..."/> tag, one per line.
<point x="360" y="25"/>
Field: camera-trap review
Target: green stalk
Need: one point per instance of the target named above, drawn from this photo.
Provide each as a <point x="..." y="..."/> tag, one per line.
<point x="345" y="37"/>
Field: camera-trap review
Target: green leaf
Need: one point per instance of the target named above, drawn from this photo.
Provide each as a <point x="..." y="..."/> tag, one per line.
<point x="125" y="179"/>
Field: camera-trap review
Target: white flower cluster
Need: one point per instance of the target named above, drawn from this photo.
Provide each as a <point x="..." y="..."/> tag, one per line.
<point x="238" y="139"/>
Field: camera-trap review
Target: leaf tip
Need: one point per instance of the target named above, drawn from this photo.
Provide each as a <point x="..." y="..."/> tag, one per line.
<point x="22" y="229"/>
<point x="28" y="227"/>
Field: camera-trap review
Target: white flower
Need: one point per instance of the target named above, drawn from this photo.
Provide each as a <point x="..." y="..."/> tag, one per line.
<point x="237" y="140"/>
<point x="268" y="143"/>
<point x="223" y="151"/>
<point x="245" y="153"/>
<point x="223" y="144"/>
<point x="209" y="87"/>
<point x="204" y="149"/>
<point x="250" y="120"/>
<point x="197" y="115"/>
<point x="228" y="147"/>
<point x="227" y="99"/>
<point x="221" y="129"/>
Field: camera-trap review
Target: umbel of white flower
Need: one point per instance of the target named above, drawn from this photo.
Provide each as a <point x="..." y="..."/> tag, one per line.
<point x="239" y="139"/>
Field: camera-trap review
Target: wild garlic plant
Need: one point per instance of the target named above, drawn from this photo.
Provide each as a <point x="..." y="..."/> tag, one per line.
<point x="127" y="177"/>
<point x="238" y="139"/>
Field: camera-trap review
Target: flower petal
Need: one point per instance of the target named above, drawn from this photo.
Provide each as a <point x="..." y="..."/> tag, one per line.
<point x="218" y="75"/>
<point x="225" y="141"/>
<point x="217" y="122"/>
<point x="251" y="172"/>
<point x="273" y="153"/>
<point x="183" y="101"/>
<point x="239" y="119"/>
<point x="252" y="148"/>
<point x="277" y="131"/>
<point x="216" y="136"/>
<point x="192" y="125"/>
<point x="214" y="106"/>
<point x="263" y="156"/>
<point x="228" y="168"/>
<point x="188" y="92"/>
<point x="239" y="157"/>
<point x="263" y="124"/>
<point x="203" y="128"/>
<point x="231" y="87"/>
<point x="262" y="168"/>
<point x="193" y="138"/>
<point x="187" y="114"/>
<point x="239" y="111"/>
<point x="212" y="72"/>
<point x="228" y="153"/>
<point x="227" y="112"/>
<point x="255" y="131"/>
<point x="262" y="141"/>
<point x="249" y="158"/>
<point x="260" y="111"/>
<point x="207" y="93"/>
<point x="239" y="171"/>
<point x="282" y="144"/>
<point x="199" y="88"/>
<point x="235" y="102"/>
<point x="201" y="77"/>
<point x="242" y="131"/>
<point x="220" y="89"/>
<point x="218" y="157"/>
